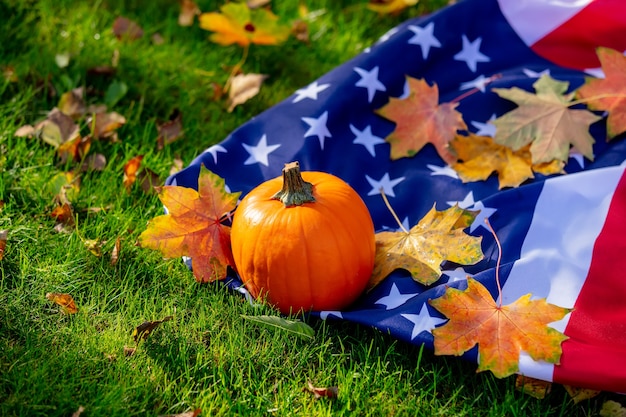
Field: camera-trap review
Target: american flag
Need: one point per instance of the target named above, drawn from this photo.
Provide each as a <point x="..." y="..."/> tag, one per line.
<point x="564" y="237"/>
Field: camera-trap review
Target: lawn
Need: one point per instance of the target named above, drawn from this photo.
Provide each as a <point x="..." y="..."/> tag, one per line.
<point x="207" y="357"/>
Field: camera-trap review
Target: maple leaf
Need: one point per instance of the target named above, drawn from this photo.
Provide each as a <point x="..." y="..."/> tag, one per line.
<point x="609" y="93"/>
<point x="545" y="121"/>
<point x="420" y="119"/>
<point x="130" y="171"/>
<point x="438" y="236"/>
<point x="193" y="226"/>
<point x="501" y="332"/>
<point x="390" y="6"/>
<point x="237" y="23"/>
<point x="481" y="156"/>
<point x="64" y="300"/>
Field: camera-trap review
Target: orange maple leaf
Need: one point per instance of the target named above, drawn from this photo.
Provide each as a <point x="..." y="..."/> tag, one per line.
<point x="392" y="7"/>
<point x="608" y="94"/>
<point x="194" y="226"/>
<point x="501" y="332"/>
<point x="480" y="156"/>
<point x="545" y="121"/>
<point x="438" y="236"/>
<point x="64" y="300"/>
<point x="237" y="23"/>
<point x="420" y="119"/>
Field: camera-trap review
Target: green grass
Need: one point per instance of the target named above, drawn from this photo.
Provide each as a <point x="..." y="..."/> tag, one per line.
<point x="207" y="357"/>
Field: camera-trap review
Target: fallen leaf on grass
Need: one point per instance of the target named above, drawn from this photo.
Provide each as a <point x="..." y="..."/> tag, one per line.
<point x="328" y="392"/>
<point x="188" y="12"/>
<point x="63" y="214"/>
<point x="129" y="351"/>
<point x="296" y="327"/>
<point x="193" y="226"/>
<point x="500" y="332"/>
<point x="126" y="29"/>
<point x="78" y="412"/>
<point x="243" y="87"/>
<point x="580" y="394"/>
<point x="72" y="103"/>
<point x="545" y="121"/>
<point x="420" y="120"/>
<point x="75" y="149"/>
<point x="94" y="246"/>
<point x="170" y="131"/>
<point x="609" y="93"/>
<point x="4" y="234"/>
<point x="115" y="253"/>
<point x="536" y="388"/>
<point x="239" y="24"/>
<point x="64" y="300"/>
<point x="390" y="6"/>
<point x="104" y="125"/>
<point x="438" y="236"/>
<point x="130" y="171"/>
<point x="612" y="408"/>
<point x="62" y="60"/>
<point x="193" y="413"/>
<point x="146" y="328"/>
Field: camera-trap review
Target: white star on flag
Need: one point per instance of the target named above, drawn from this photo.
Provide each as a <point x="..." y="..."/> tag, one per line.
<point x="369" y="80"/>
<point x="534" y="74"/>
<point x="470" y="53"/>
<point x="386" y="183"/>
<point x="317" y="127"/>
<point x="310" y="91"/>
<point x="467" y="202"/>
<point x="395" y="298"/>
<point x="485" y="213"/>
<point x="213" y="150"/>
<point x="486" y="129"/>
<point x="457" y="274"/>
<point x="424" y="38"/>
<point x="422" y="322"/>
<point x="366" y="138"/>
<point x="260" y="152"/>
<point x="445" y="170"/>
<point x="478" y="83"/>
<point x="325" y="314"/>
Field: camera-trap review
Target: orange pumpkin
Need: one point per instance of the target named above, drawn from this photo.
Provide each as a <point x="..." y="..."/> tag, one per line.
<point x="304" y="241"/>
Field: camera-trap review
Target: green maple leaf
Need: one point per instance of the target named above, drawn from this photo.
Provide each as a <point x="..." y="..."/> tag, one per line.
<point x="545" y="120"/>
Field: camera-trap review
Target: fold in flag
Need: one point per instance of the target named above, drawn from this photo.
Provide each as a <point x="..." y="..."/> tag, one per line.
<point x="563" y="237"/>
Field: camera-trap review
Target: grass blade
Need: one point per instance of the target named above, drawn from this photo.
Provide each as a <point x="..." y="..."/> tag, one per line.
<point x="297" y="327"/>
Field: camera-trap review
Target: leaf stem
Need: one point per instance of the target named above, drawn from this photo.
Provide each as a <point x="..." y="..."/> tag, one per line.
<point x="393" y="213"/>
<point x="237" y="67"/>
<point x="475" y="89"/>
<point x="592" y="98"/>
<point x="497" y="262"/>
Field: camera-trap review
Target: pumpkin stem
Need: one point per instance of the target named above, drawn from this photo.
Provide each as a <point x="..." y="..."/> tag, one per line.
<point x="296" y="191"/>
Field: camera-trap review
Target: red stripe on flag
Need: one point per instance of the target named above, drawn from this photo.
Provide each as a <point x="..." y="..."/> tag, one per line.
<point x="595" y="354"/>
<point x="574" y="43"/>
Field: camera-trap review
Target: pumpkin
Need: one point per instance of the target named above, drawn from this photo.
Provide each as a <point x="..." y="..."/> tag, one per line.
<point x="304" y="241"/>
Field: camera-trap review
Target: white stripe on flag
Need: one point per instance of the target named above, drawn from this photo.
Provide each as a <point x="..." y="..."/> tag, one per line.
<point x="534" y="19"/>
<point x="556" y="253"/>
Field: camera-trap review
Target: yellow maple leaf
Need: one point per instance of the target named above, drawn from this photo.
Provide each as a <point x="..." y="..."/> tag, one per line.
<point x="390" y="6"/>
<point x="501" y="332"/>
<point x="438" y="236"/>
<point x="239" y="24"/>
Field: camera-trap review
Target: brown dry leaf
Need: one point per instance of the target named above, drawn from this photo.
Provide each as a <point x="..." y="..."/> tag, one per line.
<point x="115" y="253"/>
<point x="438" y="236"/>
<point x="131" y="168"/>
<point x="129" y="351"/>
<point x="534" y="387"/>
<point x="63" y="214"/>
<point x="126" y="29"/>
<point x="4" y="234"/>
<point x="328" y="392"/>
<point x="420" y="120"/>
<point x="74" y="149"/>
<point x="9" y="74"/>
<point x="94" y="162"/>
<point x="300" y="29"/>
<point x="64" y="300"/>
<point x="612" y="408"/>
<point x="193" y="413"/>
<point x="545" y="121"/>
<point x="177" y="165"/>
<point x="580" y="394"/>
<point x="188" y="12"/>
<point x="149" y="181"/>
<point x="501" y="332"/>
<point x="170" y="131"/>
<point x="78" y="412"/>
<point x="144" y="330"/>
<point x="25" y="131"/>
<point x="72" y="103"/>
<point x="57" y="128"/>
<point x="104" y="125"/>
<point x="243" y="87"/>
<point x="255" y="4"/>
<point x="193" y="226"/>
